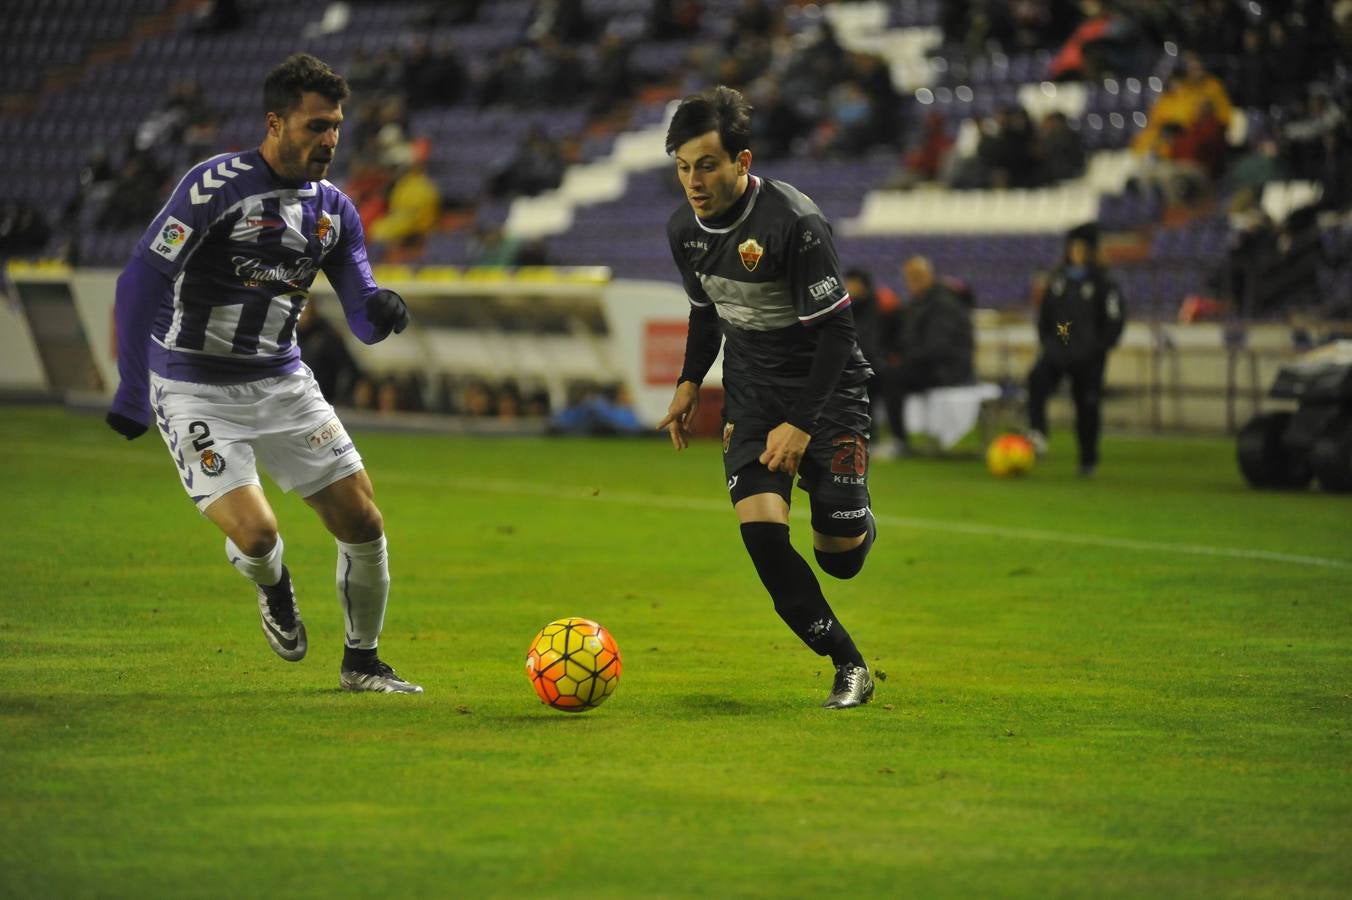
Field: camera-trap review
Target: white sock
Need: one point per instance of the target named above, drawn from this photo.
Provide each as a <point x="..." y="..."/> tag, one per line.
<point x="265" y="570"/>
<point x="363" y="590"/>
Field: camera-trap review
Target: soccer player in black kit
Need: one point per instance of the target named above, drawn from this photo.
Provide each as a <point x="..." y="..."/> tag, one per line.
<point x="760" y="269"/>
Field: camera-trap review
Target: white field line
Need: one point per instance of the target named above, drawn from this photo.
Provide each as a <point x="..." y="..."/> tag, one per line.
<point x="708" y="504"/>
<point x="596" y="495"/>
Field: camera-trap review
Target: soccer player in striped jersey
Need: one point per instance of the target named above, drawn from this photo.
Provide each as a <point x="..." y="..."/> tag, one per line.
<point x="206" y="314"/>
<point x="759" y="266"/>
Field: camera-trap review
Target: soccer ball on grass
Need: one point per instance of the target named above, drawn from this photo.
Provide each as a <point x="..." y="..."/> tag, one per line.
<point x="573" y="664"/>
<point x="1010" y="455"/>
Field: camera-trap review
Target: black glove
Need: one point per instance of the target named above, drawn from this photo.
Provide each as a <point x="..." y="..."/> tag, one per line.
<point x="387" y="312"/>
<point x="128" y="428"/>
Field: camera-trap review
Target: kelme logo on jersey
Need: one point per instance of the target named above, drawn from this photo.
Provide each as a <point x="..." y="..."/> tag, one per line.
<point x="171" y="238"/>
<point x="325" y="232"/>
<point x="213" y="463"/>
<point x="751" y="252"/>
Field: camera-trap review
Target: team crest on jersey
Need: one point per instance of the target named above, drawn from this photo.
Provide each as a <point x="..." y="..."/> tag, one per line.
<point x="751" y="252"/>
<point x="213" y="463"/>
<point x="727" y="437"/>
<point x="325" y="232"/>
<point x="171" y="238"/>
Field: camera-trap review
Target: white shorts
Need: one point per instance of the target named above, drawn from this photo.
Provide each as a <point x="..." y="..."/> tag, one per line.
<point x="219" y="434"/>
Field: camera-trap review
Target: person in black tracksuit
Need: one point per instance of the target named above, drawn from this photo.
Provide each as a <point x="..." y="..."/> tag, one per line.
<point x="1080" y="320"/>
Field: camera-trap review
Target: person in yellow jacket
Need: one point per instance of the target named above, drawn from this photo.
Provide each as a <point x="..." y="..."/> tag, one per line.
<point x="414" y="207"/>
<point x="1181" y="105"/>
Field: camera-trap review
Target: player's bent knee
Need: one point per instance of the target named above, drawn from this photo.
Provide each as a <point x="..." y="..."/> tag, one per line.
<point x="834" y="523"/>
<point x="256" y="538"/>
<point x="360" y="527"/>
<point x="846" y="564"/>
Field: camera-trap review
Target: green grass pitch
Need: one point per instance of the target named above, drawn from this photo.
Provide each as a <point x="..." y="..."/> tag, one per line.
<point x="1133" y="686"/>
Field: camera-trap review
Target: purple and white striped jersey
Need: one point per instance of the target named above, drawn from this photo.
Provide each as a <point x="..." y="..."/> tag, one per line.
<point x="241" y="247"/>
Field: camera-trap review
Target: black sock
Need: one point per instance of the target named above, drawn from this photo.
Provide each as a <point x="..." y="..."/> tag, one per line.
<point x="797" y="596"/>
<point x="356" y="659"/>
<point x="279" y="600"/>
<point x="281" y="591"/>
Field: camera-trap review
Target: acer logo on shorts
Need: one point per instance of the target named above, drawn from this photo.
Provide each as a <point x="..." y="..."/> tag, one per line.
<point x="850" y="513"/>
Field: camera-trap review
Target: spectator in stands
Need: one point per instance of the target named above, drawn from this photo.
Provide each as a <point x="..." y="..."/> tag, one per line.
<point x="447" y="12"/>
<point x="1188" y="159"/>
<point x="542" y="72"/>
<point x="1008" y="153"/>
<point x="935" y="346"/>
<point x="23" y="230"/>
<point x="871" y="73"/>
<point x="377" y="74"/>
<point x="414" y="204"/>
<point x="1079" y="322"/>
<point x="136" y="193"/>
<point x="1180" y="106"/>
<point x="924" y="160"/>
<point x="478" y="400"/>
<point x="847" y="128"/>
<point x="1251" y="71"/>
<point x="777" y="127"/>
<point x="602" y="410"/>
<point x="815" y="69"/>
<point x="1106" y="42"/>
<point x="491" y="246"/>
<point x="1203" y="143"/>
<point x="875" y="325"/>
<point x="756" y="17"/>
<point x="182" y="119"/>
<point x="323" y="349"/>
<point x="1314" y="135"/>
<point x="1263" y="163"/>
<point x="1290" y="65"/>
<point x="218" y="16"/>
<point x="1060" y="151"/>
<point x="613" y="77"/>
<point x="563" y="20"/>
<point x="433" y="76"/>
<point x="670" y="20"/>
<point x="536" y="167"/>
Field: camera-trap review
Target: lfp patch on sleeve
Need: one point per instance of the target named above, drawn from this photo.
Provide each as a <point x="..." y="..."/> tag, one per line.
<point x="173" y="235"/>
<point x="326" y="434"/>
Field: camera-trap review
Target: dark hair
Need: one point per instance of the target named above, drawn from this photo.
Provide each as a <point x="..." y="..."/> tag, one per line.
<point x="301" y="72"/>
<point x="862" y="275"/>
<point x="720" y="109"/>
<point x="1088" y="232"/>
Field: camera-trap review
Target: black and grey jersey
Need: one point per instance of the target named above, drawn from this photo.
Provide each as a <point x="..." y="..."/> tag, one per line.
<point x="771" y="274"/>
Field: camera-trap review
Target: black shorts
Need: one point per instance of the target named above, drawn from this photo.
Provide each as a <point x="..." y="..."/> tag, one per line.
<point x="833" y="472"/>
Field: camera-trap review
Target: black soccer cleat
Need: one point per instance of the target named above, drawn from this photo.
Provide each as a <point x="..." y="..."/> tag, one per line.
<point x="280" y="618"/>
<point x="853" y="687"/>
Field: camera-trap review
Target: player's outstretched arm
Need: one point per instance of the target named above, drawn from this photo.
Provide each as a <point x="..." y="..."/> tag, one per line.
<point x="139" y="289"/>
<point x="681" y="414"/>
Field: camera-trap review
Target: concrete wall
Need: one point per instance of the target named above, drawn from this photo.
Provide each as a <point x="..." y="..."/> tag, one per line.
<point x="1167" y="377"/>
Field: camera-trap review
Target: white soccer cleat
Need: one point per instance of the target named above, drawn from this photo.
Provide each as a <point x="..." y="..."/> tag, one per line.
<point x="1038" y="440"/>
<point x="853" y="686"/>
<point x="377" y="678"/>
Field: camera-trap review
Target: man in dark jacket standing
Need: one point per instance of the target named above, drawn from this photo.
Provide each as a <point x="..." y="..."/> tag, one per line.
<point x="934" y="344"/>
<point x="1080" y="320"/>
